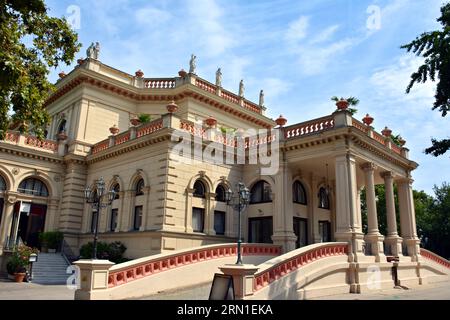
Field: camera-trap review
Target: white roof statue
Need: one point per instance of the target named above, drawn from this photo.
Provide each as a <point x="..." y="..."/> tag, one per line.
<point x="93" y="51"/>
<point x="261" y="98"/>
<point x="241" y="89"/>
<point x="219" y="78"/>
<point x="192" y="64"/>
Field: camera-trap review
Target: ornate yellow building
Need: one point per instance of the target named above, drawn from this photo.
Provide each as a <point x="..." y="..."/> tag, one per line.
<point x="305" y="179"/>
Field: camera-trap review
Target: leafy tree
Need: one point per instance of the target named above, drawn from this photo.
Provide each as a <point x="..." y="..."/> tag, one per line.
<point x="435" y="48"/>
<point x="32" y="42"/>
<point x="433" y="223"/>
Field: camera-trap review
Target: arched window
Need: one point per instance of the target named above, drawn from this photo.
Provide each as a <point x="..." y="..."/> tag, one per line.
<point x="199" y="189"/>
<point x="33" y="187"/>
<point x="261" y="192"/>
<point x="2" y="184"/>
<point x="140" y="187"/>
<point x="220" y="193"/>
<point x="299" y="193"/>
<point x="62" y="126"/>
<point x="116" y="189"/>
<point x="324" y="201"/>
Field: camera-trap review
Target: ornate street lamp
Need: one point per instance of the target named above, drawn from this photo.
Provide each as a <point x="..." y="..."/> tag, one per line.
<point x="98" y="198"/>
<point x="239" y="199"/>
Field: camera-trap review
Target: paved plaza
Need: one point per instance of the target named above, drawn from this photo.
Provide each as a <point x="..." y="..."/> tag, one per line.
<point x="30" y="291"/>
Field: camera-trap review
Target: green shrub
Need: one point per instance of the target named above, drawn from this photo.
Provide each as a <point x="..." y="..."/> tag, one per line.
<point x="110" y="251"/>
<point x="51" y="239"/>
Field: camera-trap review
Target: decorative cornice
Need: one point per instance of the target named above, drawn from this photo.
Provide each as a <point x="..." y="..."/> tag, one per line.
<point x="29" y="153"/>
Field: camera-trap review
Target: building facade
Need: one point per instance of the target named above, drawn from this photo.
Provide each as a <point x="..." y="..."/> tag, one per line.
<point x="305" y="179"/>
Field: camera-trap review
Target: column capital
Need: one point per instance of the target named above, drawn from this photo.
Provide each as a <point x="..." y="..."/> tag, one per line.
<point x="10" y="197"/>
<point x="407" y="180"/>
<point x="368" y="166"/>
<point x="387" y="174"/>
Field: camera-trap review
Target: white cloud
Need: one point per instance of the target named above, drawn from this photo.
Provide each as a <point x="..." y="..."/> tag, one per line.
<point x="152" y="16"/>
<point x="297" y="29"/>
<point x="325" y="35"/>
<point x="208" y="28"/>
<point x="316" y="59"/>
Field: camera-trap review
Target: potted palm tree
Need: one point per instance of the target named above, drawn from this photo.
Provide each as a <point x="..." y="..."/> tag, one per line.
<point x="343" y="104"/>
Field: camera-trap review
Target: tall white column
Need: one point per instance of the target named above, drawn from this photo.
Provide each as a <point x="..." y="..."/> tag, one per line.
<point x="393" y="241"/>
<point x="348" y="224"/>
<point x="408" y="218"/>
<point x="283" y="223"/>
<point x="7" y="219"/>
<point x="373" y="237"/>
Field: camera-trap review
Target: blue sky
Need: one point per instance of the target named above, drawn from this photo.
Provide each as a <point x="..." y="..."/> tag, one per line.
<point x="300" y="52"/>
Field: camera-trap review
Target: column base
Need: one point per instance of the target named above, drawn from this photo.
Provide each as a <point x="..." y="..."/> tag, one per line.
<point x="285" y="239"/>
<point x="375" y="242"/>
<point x="413" y="248"/>
<point x="356" y="240"/>
<point x="393" y="245"/>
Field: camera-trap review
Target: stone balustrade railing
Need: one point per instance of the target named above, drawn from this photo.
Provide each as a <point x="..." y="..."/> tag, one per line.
<point x="309" y="127"/>
<point x="130" y="271"/>
<point x="45" y="145"/>
<point x="122" y="138"/>
<point x="204" y="85"/>
<point x="163" y="83"/>
<point x="270" y="273"/>
<point x="230" y="97"/>
<point x="149" y="128"/>
<point x="434" y="257"/>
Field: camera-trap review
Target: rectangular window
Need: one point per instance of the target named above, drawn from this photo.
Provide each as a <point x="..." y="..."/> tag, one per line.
<point x="301" y="231"/>
<point x="260" y="230"/>
<point x="198" y="215"/>
<point x="219" y="222"/>
<point x="93" y="220"/>
<point x="137" y="217"/>
<point x="325" y="231"/>
<point x="113" y="223"/>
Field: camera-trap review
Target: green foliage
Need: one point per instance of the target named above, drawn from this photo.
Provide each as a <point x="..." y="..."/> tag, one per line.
<point x="144" y="118"/>
<point x="435" y="48"/>
<point x="352" y="101"/>
<point x="396" y="139"/>
<point x="32" y="42"/>
<point x="110" y="251"/>
<point x="225" y="130"/>
<point x="51" y="239"/>
<point x="433" y="221"/>
<point x="18" y="262"/>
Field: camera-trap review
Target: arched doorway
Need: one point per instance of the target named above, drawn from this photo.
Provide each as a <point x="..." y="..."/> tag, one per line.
<point x="29" y="214"/>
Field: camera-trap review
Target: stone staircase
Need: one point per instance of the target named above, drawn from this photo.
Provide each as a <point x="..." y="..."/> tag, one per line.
<point x="50" y="268"/>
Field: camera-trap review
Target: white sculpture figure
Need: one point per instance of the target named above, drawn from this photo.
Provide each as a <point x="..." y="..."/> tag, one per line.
<point x="261" y="98"/>
<point x="219" y="78"/>
<point x="192" y="64"/>
<point x="93" y="51"/>
<point x="241" y="88"/>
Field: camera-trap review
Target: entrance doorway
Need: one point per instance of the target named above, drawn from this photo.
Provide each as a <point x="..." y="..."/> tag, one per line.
<point x="31" y="221"/>
<point x="301" y="231"/>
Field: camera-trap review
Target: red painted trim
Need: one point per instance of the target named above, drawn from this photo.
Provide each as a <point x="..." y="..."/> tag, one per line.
<point x="264" y="278"/>
<point x="434" y="257"/>
<point x="119" y="277"/>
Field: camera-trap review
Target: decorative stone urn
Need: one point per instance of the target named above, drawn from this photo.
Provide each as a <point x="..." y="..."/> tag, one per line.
<point x="386" y="132"/>
<point x="172" y="107"/>
<point x="114" y="130"/>
<point x="210" y="122"/>
<point x="342" y="104"/>
<point x="139" y="73"/>
<point x="62" y="74"/>
<point x="80" y="61"/>
<point x="367" y="120"/>
<point x="182" y="73"/>
<point x="281" y="121"/>
<point x="135" y="121"/>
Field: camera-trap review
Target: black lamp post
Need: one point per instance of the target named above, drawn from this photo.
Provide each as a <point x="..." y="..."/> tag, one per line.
<point x="238" y="200"/>
<point x="98" y="198"/>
